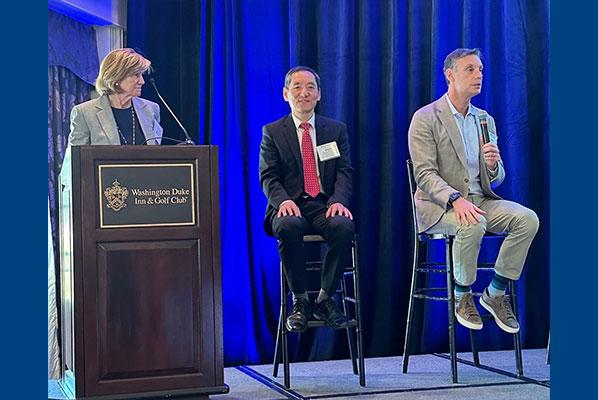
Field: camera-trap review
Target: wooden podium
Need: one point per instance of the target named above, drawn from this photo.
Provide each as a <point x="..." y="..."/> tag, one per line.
<point x="141" y="307"/>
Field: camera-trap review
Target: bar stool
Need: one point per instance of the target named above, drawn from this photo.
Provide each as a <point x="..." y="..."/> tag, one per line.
<point x="351" y="308"/>
<point x="446" y="293"/>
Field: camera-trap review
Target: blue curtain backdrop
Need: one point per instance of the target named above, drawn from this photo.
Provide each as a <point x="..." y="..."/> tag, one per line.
<point x="221" y="64"/>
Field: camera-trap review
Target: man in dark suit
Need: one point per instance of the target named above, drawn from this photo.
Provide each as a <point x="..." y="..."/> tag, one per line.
<point x="306" y="174"/>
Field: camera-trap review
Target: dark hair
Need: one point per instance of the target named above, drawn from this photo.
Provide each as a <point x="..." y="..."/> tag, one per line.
<point x="451" y="59"/>
<point x="288" y="76"/>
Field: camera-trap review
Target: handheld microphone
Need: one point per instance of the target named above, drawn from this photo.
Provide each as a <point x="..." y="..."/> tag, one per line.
<point x="187" y="140"/>
<point x="484" y="126"/>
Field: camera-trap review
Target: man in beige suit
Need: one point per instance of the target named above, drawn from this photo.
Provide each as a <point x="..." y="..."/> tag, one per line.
<point x="455" y="170"/>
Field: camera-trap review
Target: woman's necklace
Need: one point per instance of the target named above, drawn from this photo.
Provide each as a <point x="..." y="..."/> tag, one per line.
<point x="120" y="132"/>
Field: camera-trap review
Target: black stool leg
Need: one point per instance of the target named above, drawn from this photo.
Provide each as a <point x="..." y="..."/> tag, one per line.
<point x="548" y="349"/>
<point x="516" y="337"/>
<point x="278" y="353"/>
<point x="277" y="350"/>
<point x="407" y="343"/>
<point x="451" y="305"/>
<point x="473" y="338"/>
<point x="283" y="333"/>
<point x="355" y="255"/>
<point x="350" y="336"/>
<point x="285" y="360"/>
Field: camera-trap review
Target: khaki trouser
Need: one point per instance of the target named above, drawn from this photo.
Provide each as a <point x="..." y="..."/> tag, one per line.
<point x="502" y="216"/>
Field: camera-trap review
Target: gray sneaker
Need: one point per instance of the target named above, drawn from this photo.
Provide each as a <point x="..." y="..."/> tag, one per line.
<point x="466" y="312"/>
<point x="500" y="308"/>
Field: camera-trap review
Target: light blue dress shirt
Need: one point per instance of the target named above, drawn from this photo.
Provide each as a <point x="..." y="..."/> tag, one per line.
<point x="469" y="133"/>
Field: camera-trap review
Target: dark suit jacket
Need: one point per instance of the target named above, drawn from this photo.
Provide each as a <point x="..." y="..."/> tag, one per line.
<point x="281" y="165"/>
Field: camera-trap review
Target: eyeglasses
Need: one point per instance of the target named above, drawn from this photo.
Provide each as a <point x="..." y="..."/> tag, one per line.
<point x="299" y="88"/>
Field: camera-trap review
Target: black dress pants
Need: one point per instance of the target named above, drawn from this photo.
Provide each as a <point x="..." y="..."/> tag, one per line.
<point x="337" y="230"/>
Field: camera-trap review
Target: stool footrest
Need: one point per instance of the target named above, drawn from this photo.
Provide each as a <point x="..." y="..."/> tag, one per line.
<point x="428" y="297"/>
<point x="431" y="270"/>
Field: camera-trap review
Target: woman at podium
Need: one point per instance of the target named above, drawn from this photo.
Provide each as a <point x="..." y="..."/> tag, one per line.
<point x="119" y="115"/>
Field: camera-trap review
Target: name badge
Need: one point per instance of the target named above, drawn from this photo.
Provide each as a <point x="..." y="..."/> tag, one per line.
<point x="328" y="151"/>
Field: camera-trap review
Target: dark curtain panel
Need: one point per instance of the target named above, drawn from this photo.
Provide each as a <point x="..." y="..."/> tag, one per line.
<point x="65" y="90"/>
<point x="167" y="33"/>
<point x="379" y="62"/>
<point x="72" y="67"/>
<point x="72" y="44"/>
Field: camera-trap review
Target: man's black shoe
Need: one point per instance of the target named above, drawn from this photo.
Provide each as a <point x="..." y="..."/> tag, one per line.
<point x="328" y="312"/>
<point x="297" y="321"/>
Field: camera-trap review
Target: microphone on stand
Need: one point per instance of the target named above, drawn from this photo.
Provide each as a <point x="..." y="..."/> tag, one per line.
<point x="177" y="141"/>
<point x="188" y="140"/>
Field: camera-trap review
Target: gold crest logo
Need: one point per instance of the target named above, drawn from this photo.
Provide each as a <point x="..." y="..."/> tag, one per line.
<point x="116" y="195"/>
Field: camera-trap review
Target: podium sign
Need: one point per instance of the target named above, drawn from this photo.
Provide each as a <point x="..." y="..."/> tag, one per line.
<point x="135" y="195"/>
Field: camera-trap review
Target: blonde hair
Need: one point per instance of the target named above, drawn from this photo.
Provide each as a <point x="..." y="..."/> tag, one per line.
<point x="116" y="66"/>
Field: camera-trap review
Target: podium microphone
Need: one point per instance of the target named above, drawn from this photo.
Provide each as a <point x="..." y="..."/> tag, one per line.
<point x="188" y="140"/>
<point x="484" y="127"/>
<point x="177" y="141"/>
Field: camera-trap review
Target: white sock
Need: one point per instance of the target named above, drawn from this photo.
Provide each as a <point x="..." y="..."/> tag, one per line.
<point x="321" y="296"/>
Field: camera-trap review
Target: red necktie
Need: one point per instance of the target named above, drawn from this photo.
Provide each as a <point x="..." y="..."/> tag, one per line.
<point x="310" y="175"/>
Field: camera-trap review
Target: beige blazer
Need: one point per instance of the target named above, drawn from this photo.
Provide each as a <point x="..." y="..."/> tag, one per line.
<point x="440" y="163"/>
